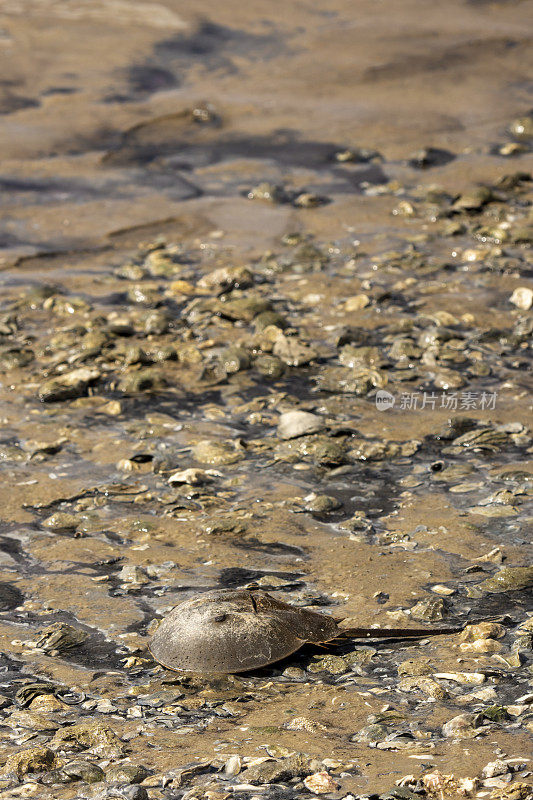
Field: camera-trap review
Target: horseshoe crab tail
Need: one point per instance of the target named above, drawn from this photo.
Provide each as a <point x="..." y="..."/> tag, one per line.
<point x="395" y="633"/>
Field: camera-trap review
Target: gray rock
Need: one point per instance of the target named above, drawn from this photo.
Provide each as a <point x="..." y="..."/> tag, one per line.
<point x="131" y="792"/>
<point x="494" y="768"/>
<point x="460" y="727"/>
<point x="429" y="610"/>
<point x="70" y="385"/>
<point x="126" y="773"/>
<point x="273" y="771"/>
<point x="298" y="423"/>
<point x="508" y="579"/>
<point x="321" y="504"/>
<point x="83" y="771"/>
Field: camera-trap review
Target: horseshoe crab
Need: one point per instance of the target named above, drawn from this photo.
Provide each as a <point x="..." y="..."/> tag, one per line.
<point x="236" y="630"/>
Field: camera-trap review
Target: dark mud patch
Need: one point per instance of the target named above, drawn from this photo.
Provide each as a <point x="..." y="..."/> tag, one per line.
<point x="236" y="577"/>
<point x="371" y="491"/>
<point x="61" y="191"/>
<point x="431" y="157"/>
<point x="10" y="596"/>
<point x="103" y="137"/>
<point x="213" y="46"/>
<point x="178" y="141"/>
<point x="9" y="241"/>
<point x="146" y="79"/>
<point x="513" y="605"/>
<point x="10" y="103"/>
<point x="443" y="58"/>
<point x="210" y="47"/>
<point x="143" y="80"/>
<point x="11" y="672"/>
<point x="60" y="90"/>
<point x="50" y="190"/>
<point x="137" y="406"/>
<point x="270" y="548"/>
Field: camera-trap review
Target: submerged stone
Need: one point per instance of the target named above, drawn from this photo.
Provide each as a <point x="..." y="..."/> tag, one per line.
<point x="298" y="423"/>
<point x="84" y="771"/>
<point x="216" y="453"/>
<point x="461" y="727"/>
<point x="126" y="773"/>
<point x="69" y="385"/>
<point x="36" y="759"/>
<point x="508" y="579"/>
<point x="93" y="736"/>
<point x="430" y="610"/>
<point x="276" y="771"/>
<point x="60" y="637"/>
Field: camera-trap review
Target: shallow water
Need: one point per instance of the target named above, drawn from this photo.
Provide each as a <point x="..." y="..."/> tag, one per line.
<point x="132" y="135"/>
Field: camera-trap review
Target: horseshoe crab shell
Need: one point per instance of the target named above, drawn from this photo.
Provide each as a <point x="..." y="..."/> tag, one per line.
<point x="231" y="631"/>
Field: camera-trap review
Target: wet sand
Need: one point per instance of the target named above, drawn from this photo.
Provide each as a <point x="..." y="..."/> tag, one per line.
<point x="210" y="217"/>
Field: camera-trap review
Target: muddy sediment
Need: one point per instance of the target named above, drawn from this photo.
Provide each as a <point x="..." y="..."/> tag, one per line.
<point x="208" y="228"/>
